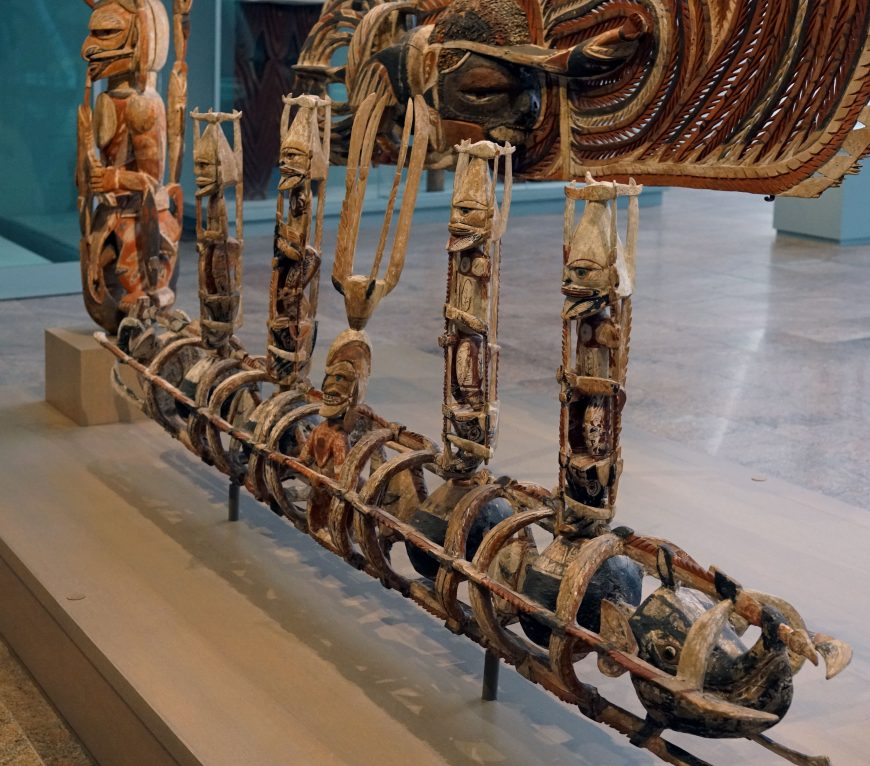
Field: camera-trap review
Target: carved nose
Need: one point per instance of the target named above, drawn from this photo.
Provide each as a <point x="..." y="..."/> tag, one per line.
<point x="88" y="51"/>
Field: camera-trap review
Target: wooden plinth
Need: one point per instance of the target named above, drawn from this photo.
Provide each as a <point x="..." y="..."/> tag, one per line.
<point x="77" y="379"/>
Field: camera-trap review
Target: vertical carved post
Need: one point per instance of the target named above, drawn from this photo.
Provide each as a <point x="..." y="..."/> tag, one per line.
<point x="470" y="338"/>
<point x="129" y="243"/>
<point x="177" y="89"/>
<point x="293" y="292"/>
<point x="348" y="361"/>
<point x="218" y="167"/>
<point x="597" y="284"/>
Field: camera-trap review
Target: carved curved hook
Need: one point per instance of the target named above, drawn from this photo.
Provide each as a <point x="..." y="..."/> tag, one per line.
<point x="363" y="293"/>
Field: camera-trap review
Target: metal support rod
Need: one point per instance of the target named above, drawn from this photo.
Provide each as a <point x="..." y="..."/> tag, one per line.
<point x="233" y="502"/>
<point x="490" y="676"/>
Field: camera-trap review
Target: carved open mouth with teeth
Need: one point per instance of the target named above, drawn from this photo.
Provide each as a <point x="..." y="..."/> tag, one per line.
<point x="575" y="291"/>
<point x="464" y="237"/>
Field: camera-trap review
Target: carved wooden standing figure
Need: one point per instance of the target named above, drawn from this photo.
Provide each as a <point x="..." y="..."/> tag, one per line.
<point x="471" y="312"/>
<point x="129" y="243"/>
<point x="293" y="292"/>
<point x="596" y="320"/>
<point x="218" y="167"/>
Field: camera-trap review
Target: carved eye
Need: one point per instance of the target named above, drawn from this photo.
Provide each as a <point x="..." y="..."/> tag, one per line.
<point x="339" y="378"/>
<point x="669" y="653"/>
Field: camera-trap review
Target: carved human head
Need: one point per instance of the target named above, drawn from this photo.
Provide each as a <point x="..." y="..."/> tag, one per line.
<point x="214" y="161"/>
<point x="482" y="96"/>
<point x="126" y="37"/>
<point x="471" y="210"/>
<point x="348" y="366"/>
<point x="589" y="274"/>
<point x="595" y="427"/>
<point x="294" y="160"/>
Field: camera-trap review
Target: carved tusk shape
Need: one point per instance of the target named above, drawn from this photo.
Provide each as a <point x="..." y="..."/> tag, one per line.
<point x="362" y="140"/>
<point x="793" y="756"/>
<point x="703" y="705"/>
<point x="798" y="641"/>
<point x="836" y="654"/>
<point x="410" y="117"/>
<point x="700" y="642"/>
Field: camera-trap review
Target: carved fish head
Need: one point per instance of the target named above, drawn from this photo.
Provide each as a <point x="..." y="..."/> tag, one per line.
<point x="754" y="679"/>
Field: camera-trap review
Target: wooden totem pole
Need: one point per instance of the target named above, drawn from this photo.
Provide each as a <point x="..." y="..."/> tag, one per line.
<point x="218" y="167"/>
<point x="304" y="159"/>
<point x="470" y="338"/>
<point x="597" y="282"/>
<point x="130" y="220"/>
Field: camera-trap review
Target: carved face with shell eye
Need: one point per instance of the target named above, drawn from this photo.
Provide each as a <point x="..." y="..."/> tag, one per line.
<point x="504" y="100"/>
<point x="471" y="210"/>
<point x="470" y="225"/>
<point x="295" y="166"/>
<point x="589" y="274"/>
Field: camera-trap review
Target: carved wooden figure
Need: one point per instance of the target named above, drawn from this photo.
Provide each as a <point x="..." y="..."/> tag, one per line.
<point x="365" y="489"/>
<point x="470" y="338"/>
<point x="304" y="158"/>
<point x="129" y="243"/>
<point x="597" y="282"/>
<point x="348" y="366"/>
<point x="218" y="167"/>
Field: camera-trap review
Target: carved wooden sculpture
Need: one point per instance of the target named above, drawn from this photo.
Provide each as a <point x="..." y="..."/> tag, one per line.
<point x="129" y="242"/>
<point x="596" y="316"/>
<point x="744" y="95"/>
<point x="749" y="95"/>
<point x="363" y="293"/>
<point x="304" y="158"/>
<point x="218" y="167"/>
<point x="359" y="483"/>
<point x="470" y="339"/>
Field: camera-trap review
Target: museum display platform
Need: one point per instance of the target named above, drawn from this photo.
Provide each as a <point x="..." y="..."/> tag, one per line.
<point x="166" y="634"/>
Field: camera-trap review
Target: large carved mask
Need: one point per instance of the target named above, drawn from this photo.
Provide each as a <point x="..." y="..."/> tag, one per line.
<point x="481" y="96"/>
<point x="713" y="94"/>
